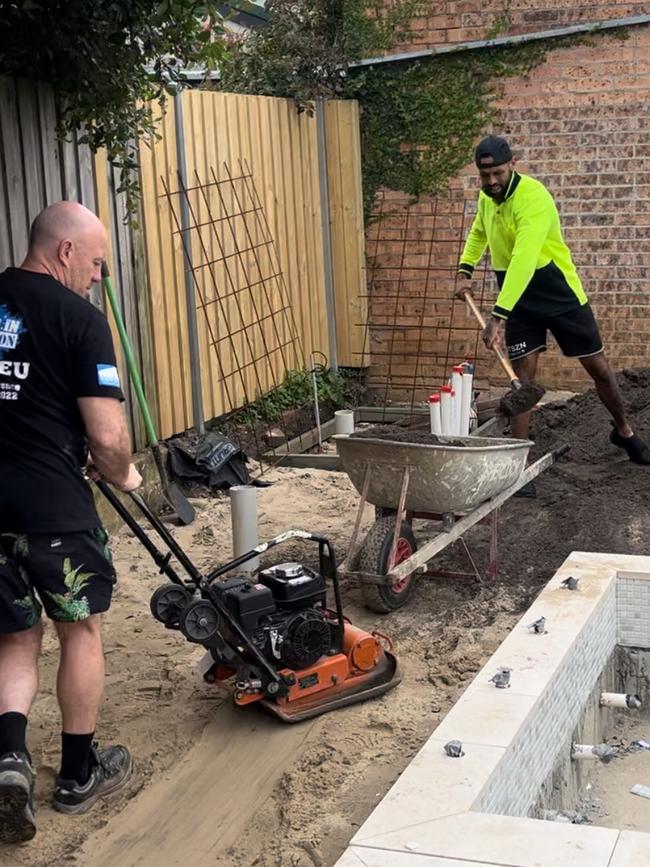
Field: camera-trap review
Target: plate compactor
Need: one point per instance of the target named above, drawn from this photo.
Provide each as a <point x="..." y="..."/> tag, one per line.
<point x="273" y="635"/>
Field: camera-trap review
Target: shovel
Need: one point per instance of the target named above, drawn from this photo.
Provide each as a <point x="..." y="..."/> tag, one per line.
<point x="174" y="496"/>
<point x="524" y="395"/>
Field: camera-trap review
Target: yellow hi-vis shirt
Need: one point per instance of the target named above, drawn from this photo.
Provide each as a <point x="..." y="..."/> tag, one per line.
<point x="533" y="265"/>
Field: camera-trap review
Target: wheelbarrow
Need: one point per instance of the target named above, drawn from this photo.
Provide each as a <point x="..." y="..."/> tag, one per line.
<point x="458" y="482"/>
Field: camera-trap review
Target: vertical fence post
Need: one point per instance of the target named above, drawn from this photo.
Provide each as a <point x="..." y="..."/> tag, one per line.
<point x="190" y="299"/>
<point x="321" y="145"/>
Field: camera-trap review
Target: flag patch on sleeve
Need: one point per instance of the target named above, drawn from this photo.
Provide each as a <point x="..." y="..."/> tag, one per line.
<point x="107" y="375"/>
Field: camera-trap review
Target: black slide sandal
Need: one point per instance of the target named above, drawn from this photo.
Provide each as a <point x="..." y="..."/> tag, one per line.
<point x="638" y="452"/>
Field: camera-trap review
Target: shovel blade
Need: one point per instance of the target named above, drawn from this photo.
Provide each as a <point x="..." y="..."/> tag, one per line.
<point x="179" y="503"/>
<point x="521" y="400"/>
<point x="172" y="493"/>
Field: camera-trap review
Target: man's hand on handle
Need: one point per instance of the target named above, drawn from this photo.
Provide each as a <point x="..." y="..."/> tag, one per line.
<point x="132" y="481"/>
<point x="494" y="333"/>
<point x="463" y="285"/>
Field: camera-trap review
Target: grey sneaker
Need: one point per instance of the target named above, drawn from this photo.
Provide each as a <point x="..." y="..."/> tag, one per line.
<point x="110" y="770"/>
<point x="17" y="777"/>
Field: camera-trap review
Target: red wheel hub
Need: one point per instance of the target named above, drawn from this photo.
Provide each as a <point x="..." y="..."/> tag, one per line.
<point x="403" y="551"/>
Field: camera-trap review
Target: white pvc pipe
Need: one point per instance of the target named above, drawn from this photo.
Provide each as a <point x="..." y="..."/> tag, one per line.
<point x="583" y="751"/>
<point x="620" y="699"/>
<point x="455" y="411"/>
<point x="457" y="386"/>
<point x="243" y="513"/>
<point x="466" y="403"/>
<point x="446" y="410"/>
<point x="344" y="421"/>
<point x="434" y="414"/>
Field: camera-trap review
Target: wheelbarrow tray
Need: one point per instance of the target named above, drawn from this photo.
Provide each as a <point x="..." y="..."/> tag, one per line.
<point x="444" y="478"/>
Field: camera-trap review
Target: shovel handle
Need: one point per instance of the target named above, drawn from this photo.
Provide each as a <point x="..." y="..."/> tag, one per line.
<point x="500" y="354"/>
<point x="109" y="288"/>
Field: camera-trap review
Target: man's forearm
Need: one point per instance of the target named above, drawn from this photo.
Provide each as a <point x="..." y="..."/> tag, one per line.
<point x="112" y="460"/>
<point x="474" y="248"/>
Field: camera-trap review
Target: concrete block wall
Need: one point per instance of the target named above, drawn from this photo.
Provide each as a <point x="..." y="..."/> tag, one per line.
<point x="633" y="605"/>
<point x="565" y="786"/>
<point x="580" y="124"/>
<point x="513" y="789"/>
<point x="480" y="808"/>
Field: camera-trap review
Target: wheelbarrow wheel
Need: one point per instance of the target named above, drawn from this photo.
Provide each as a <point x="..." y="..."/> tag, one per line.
<point x="373" y="558"/>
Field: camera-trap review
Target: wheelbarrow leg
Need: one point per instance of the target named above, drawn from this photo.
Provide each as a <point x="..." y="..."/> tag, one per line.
<point x="399" y="517"/>
<point x="493" y="565"/>
<point x="354" y="546"/>
<point x="475" y="573"/>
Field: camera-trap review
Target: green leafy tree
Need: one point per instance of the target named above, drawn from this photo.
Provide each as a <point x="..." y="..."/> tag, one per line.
<point x="105" y="60"/>
<point x="306" y="49"/>
<point x="419" y="120"/>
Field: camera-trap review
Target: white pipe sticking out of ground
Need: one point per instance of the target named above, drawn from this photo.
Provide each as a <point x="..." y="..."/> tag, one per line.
<point x="583" y="751"/>
<point x="344" y="421"/>
<point x="243" y="514"/>
<point x="620" y="699"/>
<point x="603" y="752"/>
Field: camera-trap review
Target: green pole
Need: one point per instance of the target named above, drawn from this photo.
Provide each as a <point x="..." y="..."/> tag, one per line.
<point x="107" y="282"/>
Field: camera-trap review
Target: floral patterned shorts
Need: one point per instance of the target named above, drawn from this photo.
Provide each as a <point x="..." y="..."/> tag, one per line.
<point x="70" y="575"/>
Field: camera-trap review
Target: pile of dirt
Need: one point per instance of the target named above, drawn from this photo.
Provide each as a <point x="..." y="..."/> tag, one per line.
<point x="584" y="423"/>
<point x="396" y="434"/>
<point x="593" y="499"/>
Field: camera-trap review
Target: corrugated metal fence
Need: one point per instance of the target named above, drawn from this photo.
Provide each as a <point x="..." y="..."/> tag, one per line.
<point x="223" y="133"/>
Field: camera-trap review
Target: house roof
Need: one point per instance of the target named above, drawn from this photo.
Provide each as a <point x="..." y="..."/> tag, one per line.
<point x="246" y="13"/>
<point x="500" y="41"/>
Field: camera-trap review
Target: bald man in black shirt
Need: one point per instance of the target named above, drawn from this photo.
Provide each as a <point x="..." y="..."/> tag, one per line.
<point x="60" y="398"/>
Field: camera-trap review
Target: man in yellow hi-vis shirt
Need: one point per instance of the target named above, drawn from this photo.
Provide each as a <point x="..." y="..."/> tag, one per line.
<point x="539" y="287"/>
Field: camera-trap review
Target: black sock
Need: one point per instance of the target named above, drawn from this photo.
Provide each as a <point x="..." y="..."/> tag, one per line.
<point x="12" y="732"/>
<point x="75" y="757"/>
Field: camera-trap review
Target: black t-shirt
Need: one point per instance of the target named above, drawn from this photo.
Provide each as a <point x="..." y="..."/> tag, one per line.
<point x="54" y="347"/>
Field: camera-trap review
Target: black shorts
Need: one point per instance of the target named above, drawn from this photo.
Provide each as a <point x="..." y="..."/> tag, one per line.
<point x="72" y="573"/>
<point x="576" y="333"/>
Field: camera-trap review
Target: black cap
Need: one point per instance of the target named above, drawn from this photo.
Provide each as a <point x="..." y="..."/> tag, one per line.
<point x="496" y="149"/>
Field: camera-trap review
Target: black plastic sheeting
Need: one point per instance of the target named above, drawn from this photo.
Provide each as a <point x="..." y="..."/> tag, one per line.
<point x="215" y="461"/>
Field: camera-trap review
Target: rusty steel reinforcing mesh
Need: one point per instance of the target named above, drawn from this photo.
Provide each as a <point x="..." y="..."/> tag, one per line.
<point x="243" y="303"/>
<point x="416" y="329"/>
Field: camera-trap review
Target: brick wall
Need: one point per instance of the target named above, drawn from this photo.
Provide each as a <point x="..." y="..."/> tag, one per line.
<point x="581" y="124"/>
<point x="452" y="21"/>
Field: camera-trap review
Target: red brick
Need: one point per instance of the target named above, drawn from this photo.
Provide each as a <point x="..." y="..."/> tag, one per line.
<point x="580" y="124"/>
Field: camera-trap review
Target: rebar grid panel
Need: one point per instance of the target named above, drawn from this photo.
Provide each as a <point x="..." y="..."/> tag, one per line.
<point x="416" y="328"/>
<point x="249" y="324"/>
